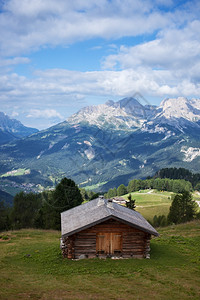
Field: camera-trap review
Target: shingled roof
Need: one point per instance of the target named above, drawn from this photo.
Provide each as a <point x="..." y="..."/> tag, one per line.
<point x="97" y="211"/>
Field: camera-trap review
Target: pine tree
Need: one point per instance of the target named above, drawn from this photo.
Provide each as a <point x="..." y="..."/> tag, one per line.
<point x="183" y="208"/>
<point x="4" y="217"/>
<point x="131" y="203"/>
<point x="25" y="207"/>
<point x="66" y="195"/>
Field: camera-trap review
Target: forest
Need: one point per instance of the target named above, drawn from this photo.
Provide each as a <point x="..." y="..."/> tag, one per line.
<point x="31" y="210"/>
<point x="180" y="173"/>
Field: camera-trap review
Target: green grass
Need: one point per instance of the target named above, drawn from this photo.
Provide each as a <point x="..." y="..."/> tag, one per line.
<point x="18" y="172"/>
<point x="32" y="267"/>
<point x="151" y="203"/>
<point x="94" y="186"/>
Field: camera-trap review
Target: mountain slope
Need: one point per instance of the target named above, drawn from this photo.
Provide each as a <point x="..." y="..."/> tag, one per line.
<point x="180" y="108"/>
<point x="11" y="129"/>
<point x="109" y="144"/>
<point x="6" y="198"/>
<point x="126" y="114"/>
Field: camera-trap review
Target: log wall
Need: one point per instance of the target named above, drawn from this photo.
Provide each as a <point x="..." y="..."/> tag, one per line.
<point x="135" y="243"/>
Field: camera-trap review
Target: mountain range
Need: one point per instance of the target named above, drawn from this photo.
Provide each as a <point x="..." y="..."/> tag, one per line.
<point x="11" y="129"/>
<point x="105" y="145"/>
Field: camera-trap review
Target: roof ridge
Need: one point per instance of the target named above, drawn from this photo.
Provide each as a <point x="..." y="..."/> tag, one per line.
<point x="79" y="217"/>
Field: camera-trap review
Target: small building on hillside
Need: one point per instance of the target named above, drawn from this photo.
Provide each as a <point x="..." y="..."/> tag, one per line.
<point x="102" y="228"/>
<point x="119" y="200"/>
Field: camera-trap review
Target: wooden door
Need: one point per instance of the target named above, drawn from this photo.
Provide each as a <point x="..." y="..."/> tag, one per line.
<point x="116" y="243"/>
<point x="109" y="243"/>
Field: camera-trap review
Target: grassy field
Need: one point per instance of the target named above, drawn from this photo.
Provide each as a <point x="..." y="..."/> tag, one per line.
<point x="32" y="268"/>
<point x="18" y="172"/>
<point x="152" y="202"/>
<point x="92" y="187"/>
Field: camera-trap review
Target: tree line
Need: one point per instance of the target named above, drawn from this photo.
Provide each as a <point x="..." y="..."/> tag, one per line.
<point x="165" y="184"/>
<point x="43" y="210"/>
<point x="180" y="173"/>
<point x="40" y="210"/>
<point x="183" y="209"/>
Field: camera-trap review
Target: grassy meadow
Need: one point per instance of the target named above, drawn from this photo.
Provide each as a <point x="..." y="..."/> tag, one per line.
<point x="152" y="202"/>
<point x="32" y="268"/>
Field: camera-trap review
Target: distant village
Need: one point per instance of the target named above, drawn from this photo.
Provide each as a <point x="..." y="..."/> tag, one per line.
<point x="26" y="187"/>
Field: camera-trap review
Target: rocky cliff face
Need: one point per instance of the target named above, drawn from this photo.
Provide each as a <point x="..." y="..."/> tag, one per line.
<point x="129" y="114"/>
<point x="126" y="114"/>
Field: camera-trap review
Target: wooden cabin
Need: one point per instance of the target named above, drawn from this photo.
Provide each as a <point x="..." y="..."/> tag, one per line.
<point x="102" y="228"/>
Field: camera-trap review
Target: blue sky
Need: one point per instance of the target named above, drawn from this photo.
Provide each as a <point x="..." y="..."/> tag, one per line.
<point x="57" y="56"/>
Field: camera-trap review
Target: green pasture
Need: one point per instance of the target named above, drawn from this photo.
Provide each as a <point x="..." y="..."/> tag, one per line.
<point x="151" y="202"/>
<point x="94" y="186"/>
<point x="18" y="172"/>
<point x="32" y="268"/>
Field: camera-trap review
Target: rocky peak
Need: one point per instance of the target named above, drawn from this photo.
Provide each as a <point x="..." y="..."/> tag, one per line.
<point x="14" y="127"/>
<point x="180" y="108"/>
<point x="129" y="114"/>
<point x="124" y="114"/>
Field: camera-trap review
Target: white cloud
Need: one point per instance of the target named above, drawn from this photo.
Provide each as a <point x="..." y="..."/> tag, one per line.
<point x="168" y="65"/>
<point x="174" y="49"/>
<point x="63" y="88"/>
<point x="34" y="23"/>
<point x="14" y="61"/>
<point x="47" y="114"/>
<point x="14" y="114"/>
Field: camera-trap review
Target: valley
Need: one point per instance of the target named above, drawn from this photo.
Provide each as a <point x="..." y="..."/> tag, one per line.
<point x="105" y="145"/>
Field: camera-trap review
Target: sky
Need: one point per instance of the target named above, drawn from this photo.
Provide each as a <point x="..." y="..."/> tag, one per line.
<point x="57" y="56"/>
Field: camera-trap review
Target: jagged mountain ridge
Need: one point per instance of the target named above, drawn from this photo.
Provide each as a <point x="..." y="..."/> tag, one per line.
<point x="126" y="114"/>
<point x="180" y="108"/>
<point x="11" y="129"/>
<point x="129" y="114"/>
<point x="94" y="148"/>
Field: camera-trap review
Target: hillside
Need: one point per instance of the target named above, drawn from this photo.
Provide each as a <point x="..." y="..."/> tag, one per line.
<point x="32" y="267"/>
<point x="6" y="198"/>
<point x="152" y="202"/>
<point x="180" y="173"/>
<point x="109" y="144"/>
